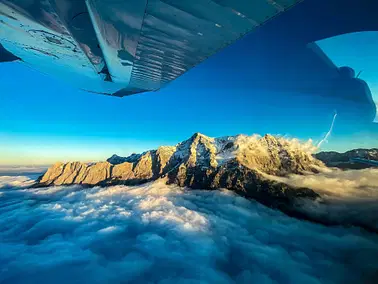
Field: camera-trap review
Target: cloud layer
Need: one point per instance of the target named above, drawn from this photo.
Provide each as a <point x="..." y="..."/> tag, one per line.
<point x="163" y="234"/>
<point x="22" y="169"/>
<point x="347" y="197"/>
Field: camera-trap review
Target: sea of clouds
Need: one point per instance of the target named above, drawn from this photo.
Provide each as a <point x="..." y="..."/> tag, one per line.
<point x="347" y="197"/>
<point x="156" y="233"/>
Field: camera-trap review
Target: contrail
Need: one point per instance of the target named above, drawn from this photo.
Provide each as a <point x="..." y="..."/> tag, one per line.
<point x="328" y="133"/>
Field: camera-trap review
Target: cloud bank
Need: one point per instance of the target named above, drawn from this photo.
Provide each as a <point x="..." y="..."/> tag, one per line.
<point x="347" y="197"/>
<point x="163" y="234"/>
<point x="24" y="171"/>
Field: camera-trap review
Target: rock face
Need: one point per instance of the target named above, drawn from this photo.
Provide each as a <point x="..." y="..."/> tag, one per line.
<point x="239" y="163"/>
<point x="76" y="173"/>
<point x="343" y="160"/>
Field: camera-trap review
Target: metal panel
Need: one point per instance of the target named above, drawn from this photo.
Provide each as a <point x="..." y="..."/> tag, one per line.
<point x="123" y="47"/>
<point x="177" y="35"/>
<point x="38" y="32"/>
<point x="118" y="24"/>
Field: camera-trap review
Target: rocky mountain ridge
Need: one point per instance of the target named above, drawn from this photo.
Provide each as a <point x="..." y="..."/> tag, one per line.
<point x="343" y="160"/>
<point x="239" y="163"/>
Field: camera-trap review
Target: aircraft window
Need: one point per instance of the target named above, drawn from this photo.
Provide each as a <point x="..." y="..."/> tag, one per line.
<point x="358" y="51"/>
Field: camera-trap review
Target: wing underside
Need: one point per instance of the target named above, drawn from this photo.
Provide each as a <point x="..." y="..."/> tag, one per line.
<point x="123" y="47"/>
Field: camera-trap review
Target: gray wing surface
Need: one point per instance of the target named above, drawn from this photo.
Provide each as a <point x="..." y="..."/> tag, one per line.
<point x="124" y="47"/>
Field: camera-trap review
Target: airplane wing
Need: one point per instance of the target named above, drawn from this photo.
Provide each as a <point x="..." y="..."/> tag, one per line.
<point x="124" y="47"/>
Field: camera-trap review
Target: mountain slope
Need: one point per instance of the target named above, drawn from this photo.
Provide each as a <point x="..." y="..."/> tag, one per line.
<point x="239" y="163"/>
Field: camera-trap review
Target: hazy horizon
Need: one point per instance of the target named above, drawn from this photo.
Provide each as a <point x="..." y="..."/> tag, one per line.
<point x="95" y="157"/>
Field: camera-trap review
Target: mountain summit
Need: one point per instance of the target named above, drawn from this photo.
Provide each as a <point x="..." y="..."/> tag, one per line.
<point x="240" y="163"/>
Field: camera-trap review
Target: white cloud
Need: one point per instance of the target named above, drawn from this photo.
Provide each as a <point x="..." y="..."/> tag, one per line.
<point x="15" y="181"/>
<point x="22" y="169"/>
<point x="347" y="197"/>
<point x="163" y="234"/>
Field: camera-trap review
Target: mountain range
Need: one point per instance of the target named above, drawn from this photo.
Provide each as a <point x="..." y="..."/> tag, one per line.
<point x="252" y="166"/>
<point x="345" y="160"/>
<point x="239" y="163"/>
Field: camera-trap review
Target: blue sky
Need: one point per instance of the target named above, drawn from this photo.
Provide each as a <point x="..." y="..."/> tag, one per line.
<point x="43" y="120"/>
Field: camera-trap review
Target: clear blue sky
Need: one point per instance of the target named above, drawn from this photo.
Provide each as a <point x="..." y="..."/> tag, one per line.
<point x="43" y="120"/>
